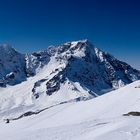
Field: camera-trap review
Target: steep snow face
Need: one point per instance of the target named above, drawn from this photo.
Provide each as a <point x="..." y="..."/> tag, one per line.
<point x="12" y="66"/>
<point x="96" y="69"/>
<point x="37" y="60"/>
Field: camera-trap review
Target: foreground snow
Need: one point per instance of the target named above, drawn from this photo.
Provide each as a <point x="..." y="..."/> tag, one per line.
<point x="100" y="118"/>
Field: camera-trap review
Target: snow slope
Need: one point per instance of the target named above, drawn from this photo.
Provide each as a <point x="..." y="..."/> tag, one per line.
<point x="100" y="118"/>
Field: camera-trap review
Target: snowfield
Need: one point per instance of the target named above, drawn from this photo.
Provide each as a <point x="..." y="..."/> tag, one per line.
<point x="100" y="118"/>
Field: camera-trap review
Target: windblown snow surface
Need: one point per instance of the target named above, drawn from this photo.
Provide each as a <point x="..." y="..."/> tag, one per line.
<point x="100" y="118"/>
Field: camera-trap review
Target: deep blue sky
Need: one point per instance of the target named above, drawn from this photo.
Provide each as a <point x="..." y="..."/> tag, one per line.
<point x="112" y="25"/>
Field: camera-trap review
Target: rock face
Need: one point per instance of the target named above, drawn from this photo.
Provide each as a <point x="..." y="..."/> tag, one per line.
<point x="35" y="61"/>
<point x="80" y="62"/>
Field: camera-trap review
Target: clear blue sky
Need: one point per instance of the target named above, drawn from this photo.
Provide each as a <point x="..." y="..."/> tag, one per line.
<point x="112" y="25"/>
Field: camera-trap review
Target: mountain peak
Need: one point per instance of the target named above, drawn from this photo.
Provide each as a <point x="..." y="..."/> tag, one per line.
<point x="7" y="49"/>
<point x="74" y="43"/>
<point x="6" y="46"/>
<point x="81" y="41"/>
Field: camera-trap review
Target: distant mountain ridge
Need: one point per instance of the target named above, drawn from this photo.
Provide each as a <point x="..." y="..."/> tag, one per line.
<point x="81" y="57"/>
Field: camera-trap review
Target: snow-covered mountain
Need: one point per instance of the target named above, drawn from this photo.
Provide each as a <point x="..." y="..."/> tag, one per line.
<point x="78" y="61"/>
<point x="70" y="72"/>
<point x="47" y="85"/>
<point x="12" y="65"/>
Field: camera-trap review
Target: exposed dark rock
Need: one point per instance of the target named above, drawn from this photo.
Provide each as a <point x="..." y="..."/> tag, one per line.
<point x="132" y="113"/>
<point x="37" y="84"/>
